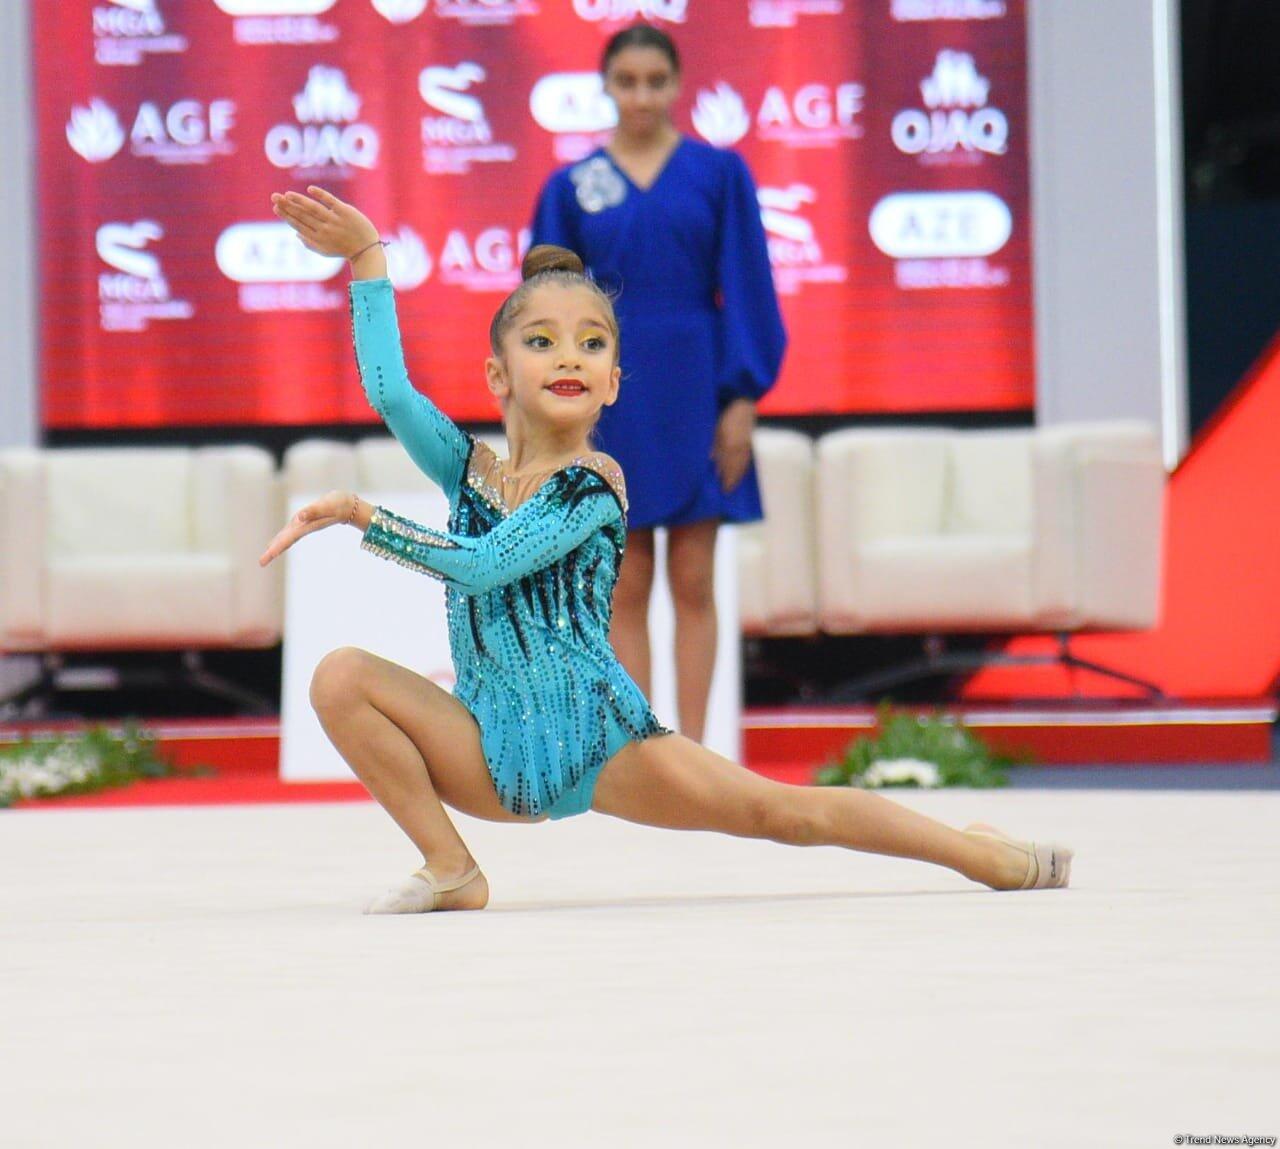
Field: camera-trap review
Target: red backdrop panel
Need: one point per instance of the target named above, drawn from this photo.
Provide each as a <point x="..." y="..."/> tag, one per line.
<point x="888" y="138"/>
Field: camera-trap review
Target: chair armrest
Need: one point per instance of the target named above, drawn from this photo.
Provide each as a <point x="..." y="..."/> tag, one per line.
<point x="23" y="509"/>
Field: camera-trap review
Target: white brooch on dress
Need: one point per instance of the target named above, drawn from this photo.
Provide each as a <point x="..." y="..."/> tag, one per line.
<point x="597" y="185"/>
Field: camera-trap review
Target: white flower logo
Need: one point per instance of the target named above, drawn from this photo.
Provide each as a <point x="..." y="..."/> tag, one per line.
<point x="901" y="772"/>
<point x="94" y="132"/>
<point x="400" y="11"/>
<point x="720" y="117"/>
<point x="326" y="98"/>
<point x="408" y="261"/>
<point x="955" y="83"/>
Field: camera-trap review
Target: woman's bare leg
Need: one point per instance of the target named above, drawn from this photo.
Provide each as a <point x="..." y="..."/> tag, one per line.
<point x="672" y="782"/>
<point x="629" y="631"/>
<point x="412" y="744"/>
<point x="691" y="552"/>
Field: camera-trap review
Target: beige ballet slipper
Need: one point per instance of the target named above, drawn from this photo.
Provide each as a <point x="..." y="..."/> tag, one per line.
<point x="1048" y="863"/>
<point x="419" y="893"/>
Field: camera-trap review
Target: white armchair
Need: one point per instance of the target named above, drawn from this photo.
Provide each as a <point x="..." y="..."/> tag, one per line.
<point x="777" y="560"/>
<point x="935" y="531"/>
<point x="134" y="548"/>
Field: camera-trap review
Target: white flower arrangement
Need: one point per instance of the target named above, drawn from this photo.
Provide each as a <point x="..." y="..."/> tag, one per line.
<point x="49" y="765"/>
<point x="901" y="772"/>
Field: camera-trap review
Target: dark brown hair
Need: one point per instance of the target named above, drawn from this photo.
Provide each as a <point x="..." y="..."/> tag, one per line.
<point x="640" y="36"/>
<point x="547" y="263"/>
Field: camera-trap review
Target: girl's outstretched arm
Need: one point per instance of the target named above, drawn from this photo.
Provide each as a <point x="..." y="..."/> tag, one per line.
<point x="571" y="506"/>
<point x="327" y="225"/>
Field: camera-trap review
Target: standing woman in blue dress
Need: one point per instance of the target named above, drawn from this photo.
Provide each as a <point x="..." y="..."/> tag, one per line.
<point x="672" y="226"/>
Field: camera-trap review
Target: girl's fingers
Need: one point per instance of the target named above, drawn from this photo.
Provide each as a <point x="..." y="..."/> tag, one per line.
<point x="308" y="208"/>
<point x="328" y="199"/>
<point x="294" y="220"/>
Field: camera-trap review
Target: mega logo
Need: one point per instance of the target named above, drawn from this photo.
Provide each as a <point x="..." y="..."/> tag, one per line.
<point x="942" y="239"/>
<point x="813" y="115"/>
<point x="485" y="11"/>
<point x="574" y="108"/>
<point x="794" y="249"/>
<point x="488" y="261"/>
<point x="280" y="21"/>
<point x="460" y="134"/>
<point x="786" y="13"/>
<point x="956" y="122"/>
<point x="628" y="11"/>
<point x="135" y="291"/>
<point x="906" y="11"/>
<point x="125" y="31"/>
<point x="327" y="136"/>
<point x="186" y="132"/>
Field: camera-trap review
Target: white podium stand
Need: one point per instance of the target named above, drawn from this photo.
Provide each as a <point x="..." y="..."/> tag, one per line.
<point x="338" y="595"/>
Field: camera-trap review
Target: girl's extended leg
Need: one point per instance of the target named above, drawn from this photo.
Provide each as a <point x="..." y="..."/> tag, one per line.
<point x="412" y="744"/>
<point x="672" y="782"/>
<point x="629" y="630"/>
<point x="691" y="552"/>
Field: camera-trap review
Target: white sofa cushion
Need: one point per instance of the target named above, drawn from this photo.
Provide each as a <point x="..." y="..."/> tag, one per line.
<point x="155" y="600"/>
<point x="988" y="483"/>
<point x="104" y="501"/>
<point x="949" y="582"/>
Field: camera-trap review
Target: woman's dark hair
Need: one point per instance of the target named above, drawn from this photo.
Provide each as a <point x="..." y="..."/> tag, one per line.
<point x="640" y="36"/>
<point x="548" y="263"/>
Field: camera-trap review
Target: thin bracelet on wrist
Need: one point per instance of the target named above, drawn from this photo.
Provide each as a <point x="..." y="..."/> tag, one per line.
<point x="355" y="506"/>
<point x="367" y="247"/>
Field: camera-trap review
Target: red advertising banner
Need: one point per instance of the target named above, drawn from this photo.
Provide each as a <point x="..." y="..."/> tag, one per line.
<point x="887" y="139"/>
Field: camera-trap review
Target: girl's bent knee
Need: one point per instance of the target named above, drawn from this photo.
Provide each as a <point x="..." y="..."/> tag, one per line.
<point x="339" y="678"/>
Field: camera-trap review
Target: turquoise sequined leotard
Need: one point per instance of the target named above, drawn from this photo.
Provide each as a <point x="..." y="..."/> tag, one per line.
<point x="528" y="591"/>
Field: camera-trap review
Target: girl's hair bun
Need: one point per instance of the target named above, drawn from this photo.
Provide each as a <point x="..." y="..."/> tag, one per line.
<point x="549" y="257"/>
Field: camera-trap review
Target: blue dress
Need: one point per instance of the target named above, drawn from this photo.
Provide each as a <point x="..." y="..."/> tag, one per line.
<point x="528" y="592"/>
<point x="699" y="317"/>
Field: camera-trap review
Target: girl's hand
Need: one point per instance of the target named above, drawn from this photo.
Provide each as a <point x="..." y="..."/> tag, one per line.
<point x="334" y="508"/>
<point x="324" y="223"/>
<point x="732" y="449"/>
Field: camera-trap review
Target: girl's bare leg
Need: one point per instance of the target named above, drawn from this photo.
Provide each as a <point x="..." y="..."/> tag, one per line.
<point x="691" y="552"/>
<point x="672" y="782"/>
<point x="629" y="630"/>
<point x="413" y="745"/>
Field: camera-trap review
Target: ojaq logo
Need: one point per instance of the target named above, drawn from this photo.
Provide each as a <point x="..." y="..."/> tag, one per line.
<point x="906" y="11"/>
<point x="186" y="132"/>
<point x="94" y="132"/>
<point x="628" y="11"/>
<point x="400" y="11"/>
<point x="794" y="249"/>
<point x="135" y="291"/>
<point x="574" y="107"/>
<point x="327" y="134"/>
<point x="275" y="271"/>
<point x="280" y="21"/>
<point x="461" y="135"/>
<point x="125" y="31"/>
<point x="958" y="124"/>
<point x="408" y="261"/>
<point x="720" y="117"/>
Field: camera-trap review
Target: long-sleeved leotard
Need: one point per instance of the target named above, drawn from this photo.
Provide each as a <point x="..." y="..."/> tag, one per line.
<point x="528" y="591"/>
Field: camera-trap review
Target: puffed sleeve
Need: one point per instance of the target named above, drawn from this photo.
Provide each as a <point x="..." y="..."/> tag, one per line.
<point x="555" y="218"/>
<point x="567" y="510"/>
<point x="752" y="336"/>
<point x="433" y="441"/>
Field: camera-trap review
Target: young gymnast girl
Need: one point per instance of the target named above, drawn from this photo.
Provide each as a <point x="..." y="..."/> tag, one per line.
<point x="544" y="722"/>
